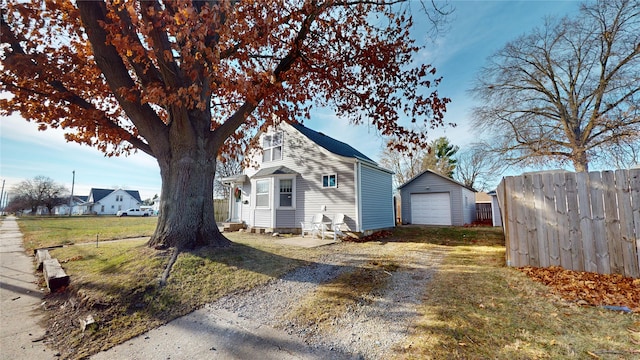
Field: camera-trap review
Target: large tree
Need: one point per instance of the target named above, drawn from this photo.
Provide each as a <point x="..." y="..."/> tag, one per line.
<point x="41" y="191"/>
<point x="186" y="80"/>
<point x="568" y="92"/>
<point x="477" y="167"/>
<point x="405" y="165"/>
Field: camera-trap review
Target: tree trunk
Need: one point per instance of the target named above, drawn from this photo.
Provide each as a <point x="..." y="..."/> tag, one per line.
<point x="186" y="218"/>
<point x="580" y="161"/>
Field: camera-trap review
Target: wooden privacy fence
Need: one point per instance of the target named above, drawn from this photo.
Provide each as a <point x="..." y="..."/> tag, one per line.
<point x="483" y="211"/>
<point x="580" y="221"/>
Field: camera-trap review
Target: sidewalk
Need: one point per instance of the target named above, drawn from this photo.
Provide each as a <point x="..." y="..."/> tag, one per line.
<point x="20" y="334"/>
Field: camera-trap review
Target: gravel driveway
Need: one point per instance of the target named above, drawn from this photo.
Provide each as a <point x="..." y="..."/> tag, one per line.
<point x="253" y="324"/>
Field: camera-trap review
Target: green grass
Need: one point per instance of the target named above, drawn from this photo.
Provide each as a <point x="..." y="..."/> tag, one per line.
<point x="51" y="231"/>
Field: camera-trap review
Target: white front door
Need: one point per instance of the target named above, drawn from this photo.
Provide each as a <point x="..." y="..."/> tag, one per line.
<point x="236" y="205"/>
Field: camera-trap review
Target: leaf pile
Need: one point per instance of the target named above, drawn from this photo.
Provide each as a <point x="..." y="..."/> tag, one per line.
<point x="376" y="236"/>
<point x="590" y="288"/>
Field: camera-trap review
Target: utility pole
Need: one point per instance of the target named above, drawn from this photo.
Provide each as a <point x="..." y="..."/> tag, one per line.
<point x="2" y="198"/>
<point x="73" y="182"/>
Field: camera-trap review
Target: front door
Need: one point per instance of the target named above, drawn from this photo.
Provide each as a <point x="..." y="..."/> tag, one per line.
<point x="236" y="207"/>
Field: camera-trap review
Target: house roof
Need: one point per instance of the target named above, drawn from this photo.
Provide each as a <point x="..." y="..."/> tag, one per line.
<point x="277" y="170"/>
<point x="483" y="197"/>
<point x="335" y="146"/>
<point x="99" y="194"/>
<point x="237" y="178"/>
<point x="437" y="174"/>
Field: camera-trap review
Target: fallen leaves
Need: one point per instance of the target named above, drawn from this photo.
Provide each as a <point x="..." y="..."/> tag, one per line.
<point x="589" y="288"/>
<point x="376" y="236"/>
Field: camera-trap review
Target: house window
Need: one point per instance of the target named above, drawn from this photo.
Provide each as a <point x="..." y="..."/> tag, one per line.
<point x="119" y="198"/>
<point x="272" y="147"/>
<point x="286" y="192"/>
<point x="262" y="193"/>
<point x="330" y="181"/>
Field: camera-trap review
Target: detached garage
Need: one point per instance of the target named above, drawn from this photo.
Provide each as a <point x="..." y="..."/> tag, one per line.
<point x="433" y="199"/>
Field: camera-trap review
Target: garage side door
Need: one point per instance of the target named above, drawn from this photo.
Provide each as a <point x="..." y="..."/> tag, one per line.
<point x="431" y="209"/>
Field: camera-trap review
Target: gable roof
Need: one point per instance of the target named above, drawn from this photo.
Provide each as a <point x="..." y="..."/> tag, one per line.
<point x="99" y="194"/>
<point x="335" y="146"/>
<point x="437" y="174"/>
<point x="277" y="170"/>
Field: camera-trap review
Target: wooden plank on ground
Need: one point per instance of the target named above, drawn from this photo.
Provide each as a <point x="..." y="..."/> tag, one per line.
<point x="41" y="256"/>
<point x="612" y="222"/>
<point x="597" y="217"/>
<point x="54" y="275"/>
<point x="627" y="236"/>
<point x="566" y="197"/>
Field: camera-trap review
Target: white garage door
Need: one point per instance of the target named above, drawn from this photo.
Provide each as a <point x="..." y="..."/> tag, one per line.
<point x="431" y="209"/>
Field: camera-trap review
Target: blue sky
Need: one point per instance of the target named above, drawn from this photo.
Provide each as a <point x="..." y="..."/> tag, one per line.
<point x="476" y="30"/>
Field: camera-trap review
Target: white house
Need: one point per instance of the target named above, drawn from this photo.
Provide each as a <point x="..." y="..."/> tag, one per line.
<point x="109" y="201"/>
<point x="77" y="206"/>
<point x="300" y="172"/>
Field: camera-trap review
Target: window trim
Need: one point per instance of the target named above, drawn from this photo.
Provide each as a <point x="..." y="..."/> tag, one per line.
<point x="328" y="177"/>
<point x="271" y="147"/>
<point x="268" y="193"/>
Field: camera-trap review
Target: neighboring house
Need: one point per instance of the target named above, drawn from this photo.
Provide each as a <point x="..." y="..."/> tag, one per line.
<point x="77" y="206"/>
<point x="109" y="201"/>
<point x="483" y="208"/>
<point x="300" y="172"/>
<point x="430" y="198"/>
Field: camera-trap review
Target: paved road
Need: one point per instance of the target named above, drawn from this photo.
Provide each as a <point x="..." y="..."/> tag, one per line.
<point x="20" y="297"/>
